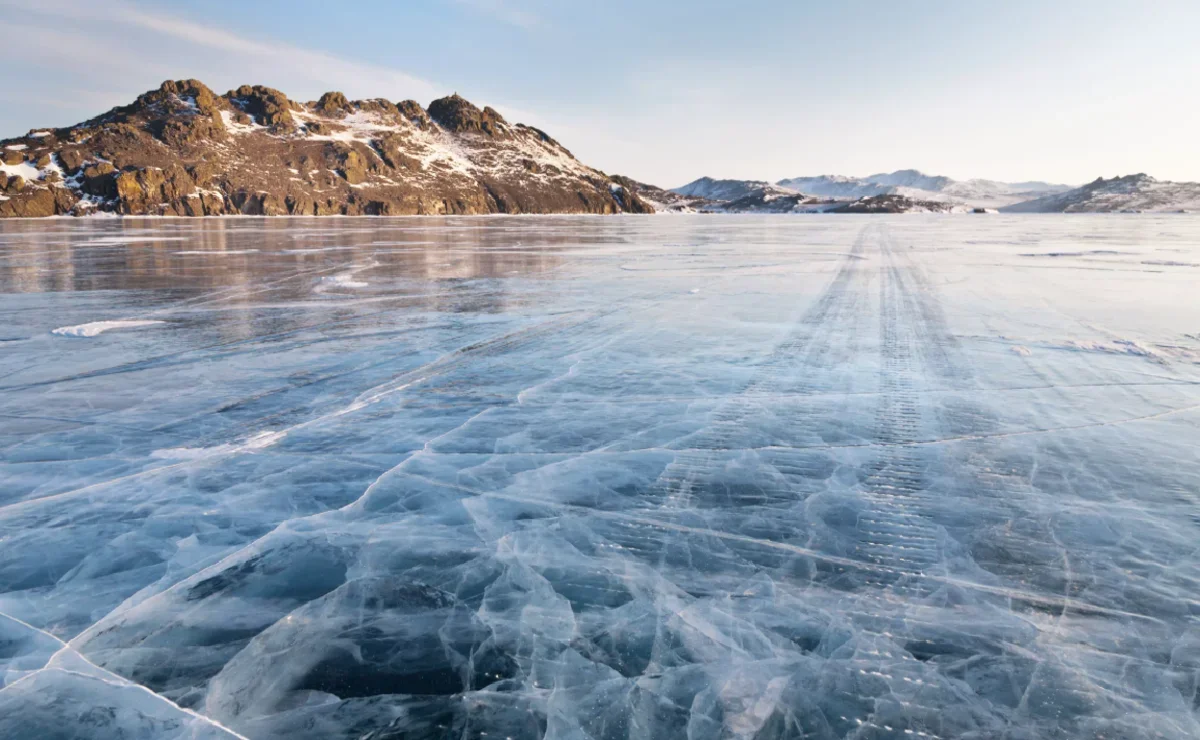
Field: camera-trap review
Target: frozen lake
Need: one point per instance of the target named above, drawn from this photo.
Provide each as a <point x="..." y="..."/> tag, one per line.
<point x="659" y="477"/>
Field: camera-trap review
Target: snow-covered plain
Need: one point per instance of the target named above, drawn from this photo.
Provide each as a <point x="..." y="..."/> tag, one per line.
<point x="690" y="477"/>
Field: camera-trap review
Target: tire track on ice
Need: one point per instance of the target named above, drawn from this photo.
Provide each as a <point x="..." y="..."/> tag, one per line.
<point x="894" y="530"/>
<point x="805" y="347"/>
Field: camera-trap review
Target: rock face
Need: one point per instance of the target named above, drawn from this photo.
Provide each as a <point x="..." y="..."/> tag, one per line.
<point x="720" y="190"/>
<point x="182" y="150"/>
<point x="897" y="204"/>
<point x="664" y="201"/>
<point x="1135" y="193"/>
<point x="458" y="115"/>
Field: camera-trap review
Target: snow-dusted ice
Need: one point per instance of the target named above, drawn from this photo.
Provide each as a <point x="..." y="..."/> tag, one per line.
<point x="673" y="477"/>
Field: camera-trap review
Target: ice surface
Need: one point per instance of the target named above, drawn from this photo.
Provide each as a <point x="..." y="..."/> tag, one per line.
<point x="694" y="477"/>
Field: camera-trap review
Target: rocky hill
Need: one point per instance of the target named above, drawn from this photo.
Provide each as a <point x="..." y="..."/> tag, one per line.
<point x="893" y="203"/>
<point x="773" y="199"/>
<point x="720" y="190"/>
<point x="745" y="196"/>
<point x="835" y="186"/>
<point x="909" y="190"/>
<point x="182" y="150"/>
<point x="843" y="195"/>
<point x="665" y="201"/>
<point x="1138" y="192"/>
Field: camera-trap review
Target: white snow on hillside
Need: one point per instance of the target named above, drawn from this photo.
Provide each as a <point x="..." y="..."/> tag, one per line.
<point x="914" y="184"/>
<point x="1130" y="193"/>
<point x="707" y="187"/>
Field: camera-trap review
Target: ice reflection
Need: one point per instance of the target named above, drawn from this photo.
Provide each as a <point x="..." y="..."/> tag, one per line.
<point x="204" y="254"/>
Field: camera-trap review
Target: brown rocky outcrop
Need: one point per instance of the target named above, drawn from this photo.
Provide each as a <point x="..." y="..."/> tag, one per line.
<point x="266" y="106"/>
<point x="352" y="164"/>
<point x="379" y="105"/>
<point x="457" y="114"/>
<point x="140" y="191"/>
<point x="415" y="114"/>
<point x="36" y="202"/>
<point x="182" y="150"/>
<point x="71" y="159"/>
<point x="333" y="104"/>
<point x="185" y="92"/>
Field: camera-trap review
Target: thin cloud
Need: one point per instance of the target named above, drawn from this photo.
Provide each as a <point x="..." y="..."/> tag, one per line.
<point x="312" y="71"/>
<point x="322" y="67"/>
<point x="504" y="11"/>
<point x="117" y="50"/>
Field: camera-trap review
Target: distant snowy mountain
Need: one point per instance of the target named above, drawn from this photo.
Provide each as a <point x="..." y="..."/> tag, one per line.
<point x="1138" y="192"/>
<point x="913" y="179"/>
<point x="723" y="190"/>
<point x="896" y="203"/>
<point x="771" y="199"/>
<point x="921" y="187"/>
<point x="836" y="186"/>
<point x="762" y="197"/>
<point x="822" y="194"/>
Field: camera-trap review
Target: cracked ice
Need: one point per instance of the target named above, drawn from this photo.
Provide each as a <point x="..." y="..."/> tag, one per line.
<point x="695" y="477"/>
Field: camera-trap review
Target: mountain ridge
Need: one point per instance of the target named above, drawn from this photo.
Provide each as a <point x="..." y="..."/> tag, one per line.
<point x="1139" y="192"/>
<point x="974" y="193"/>
<point x="182" y="150"/>
<point x="720" y="190"/>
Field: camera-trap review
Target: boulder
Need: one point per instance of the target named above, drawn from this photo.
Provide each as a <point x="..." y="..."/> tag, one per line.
<point x="300" y="204"/>
<point x="172" y="91"/>
<point x="100" y="180"/>
<point x="38" y="203"/>
<point x="177" y="183"/>
<point x="415" y="114"/>
<point x="268" y="106"/>
<point x="147" y="190"/>
<point x="354" y="167"/>
<point x="213" y="204"/>
<point x="333" y="104"/>
<point x="348" y="161"/>
<point x="71" y="159"/>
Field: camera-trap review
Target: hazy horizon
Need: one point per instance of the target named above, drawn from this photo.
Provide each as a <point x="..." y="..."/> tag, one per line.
<point x="669" y="93"/>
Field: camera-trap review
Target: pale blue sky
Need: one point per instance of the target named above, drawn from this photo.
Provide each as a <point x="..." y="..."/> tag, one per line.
<point x="667" y="91"/>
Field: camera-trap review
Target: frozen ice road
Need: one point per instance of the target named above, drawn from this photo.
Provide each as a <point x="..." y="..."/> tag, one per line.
<point x="673" y="477"/>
